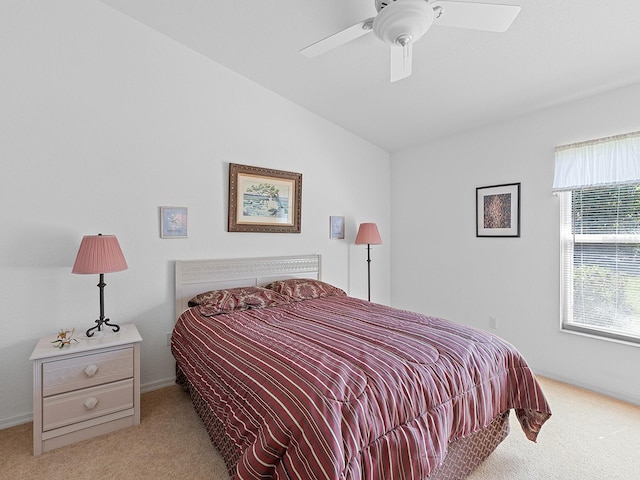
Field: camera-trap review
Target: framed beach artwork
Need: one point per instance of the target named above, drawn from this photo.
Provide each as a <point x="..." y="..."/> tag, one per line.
<point x="336" y="228"/>
<point x="173" y="222"/>
<point x="498" y="210"/>
<point x="264" y="200"/>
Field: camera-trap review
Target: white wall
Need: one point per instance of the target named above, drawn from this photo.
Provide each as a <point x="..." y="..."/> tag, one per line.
<point x="104" y="120"/>
<point x="439" y="267"/>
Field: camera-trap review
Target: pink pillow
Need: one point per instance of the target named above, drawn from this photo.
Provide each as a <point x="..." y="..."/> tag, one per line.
<point x="304" y="288"/>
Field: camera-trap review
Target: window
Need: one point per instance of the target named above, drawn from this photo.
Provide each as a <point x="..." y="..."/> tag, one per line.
<point x="600" y="237"/>
<point x="601" y="261"/>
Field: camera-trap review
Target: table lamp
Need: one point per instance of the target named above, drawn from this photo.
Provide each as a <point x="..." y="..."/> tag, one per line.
<point x="100" y="254"/>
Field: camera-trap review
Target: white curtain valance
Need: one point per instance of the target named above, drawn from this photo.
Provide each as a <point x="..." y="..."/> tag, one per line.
<point x="606" y="161"/>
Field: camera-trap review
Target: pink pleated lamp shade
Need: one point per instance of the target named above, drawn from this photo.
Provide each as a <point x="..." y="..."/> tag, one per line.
<point x="368" y="234"/>
<point x="99" y="254"/>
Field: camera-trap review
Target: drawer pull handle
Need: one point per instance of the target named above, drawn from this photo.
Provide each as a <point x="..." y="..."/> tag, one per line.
<point x="91" y="402"/>
<point x="91" y="370"/>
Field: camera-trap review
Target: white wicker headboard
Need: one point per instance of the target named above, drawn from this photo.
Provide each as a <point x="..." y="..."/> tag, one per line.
<point x="197" y="276"/>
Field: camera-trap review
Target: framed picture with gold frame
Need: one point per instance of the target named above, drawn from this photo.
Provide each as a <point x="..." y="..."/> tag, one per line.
<point x="264" y="200"/>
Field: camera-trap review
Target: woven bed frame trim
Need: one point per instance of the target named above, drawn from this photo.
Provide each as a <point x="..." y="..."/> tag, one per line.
<point x="463" y="457"/>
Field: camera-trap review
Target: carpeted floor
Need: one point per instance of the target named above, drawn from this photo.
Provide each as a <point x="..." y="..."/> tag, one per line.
<point x="588" y="437"/>
<point x="170" y="442"/>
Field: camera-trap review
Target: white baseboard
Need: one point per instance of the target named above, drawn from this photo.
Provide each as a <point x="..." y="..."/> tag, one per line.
<point x="158" y="384"/>
<point x="17" y="420"/>
<point x="602" y="391"/>
<point x="28" y="417"/>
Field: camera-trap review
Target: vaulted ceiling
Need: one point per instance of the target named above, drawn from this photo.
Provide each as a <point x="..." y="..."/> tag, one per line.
<point x="554" y="51"/>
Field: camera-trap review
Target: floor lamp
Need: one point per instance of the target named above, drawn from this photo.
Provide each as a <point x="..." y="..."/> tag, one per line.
<point x="100" y="254"/>
<point x="368" y="234"/>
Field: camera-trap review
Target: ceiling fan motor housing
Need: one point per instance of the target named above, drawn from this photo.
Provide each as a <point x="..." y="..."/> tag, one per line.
<point x="403" y="21"/>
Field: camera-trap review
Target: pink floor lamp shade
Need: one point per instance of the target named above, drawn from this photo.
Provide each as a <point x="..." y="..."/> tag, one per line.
<point x="368" y="235"/>
<point x="100" y="254"/>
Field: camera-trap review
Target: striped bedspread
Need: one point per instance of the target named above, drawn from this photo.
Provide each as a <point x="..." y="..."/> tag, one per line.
<point x="340" y="388"/>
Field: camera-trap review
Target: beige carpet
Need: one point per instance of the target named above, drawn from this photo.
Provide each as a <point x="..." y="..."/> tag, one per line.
<point x="588" y="437"/>
<point x="170" y="442"/>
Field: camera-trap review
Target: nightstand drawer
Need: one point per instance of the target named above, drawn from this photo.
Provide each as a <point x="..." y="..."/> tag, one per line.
<point x="67" y="408"/>
<point x="86" y="371"/>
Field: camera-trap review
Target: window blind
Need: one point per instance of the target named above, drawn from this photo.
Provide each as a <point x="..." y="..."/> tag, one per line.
<point x="599" y="188"/>
<point x="601" y="260"/>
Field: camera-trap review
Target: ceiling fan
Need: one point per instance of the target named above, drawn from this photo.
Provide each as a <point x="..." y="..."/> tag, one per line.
<point x="400" y="23"/>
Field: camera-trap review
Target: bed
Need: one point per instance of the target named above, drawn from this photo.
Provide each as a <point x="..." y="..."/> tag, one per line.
<point x="294" y="379"/>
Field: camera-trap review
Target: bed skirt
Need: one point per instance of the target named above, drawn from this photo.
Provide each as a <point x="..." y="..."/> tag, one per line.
<point x="463" y="456"/>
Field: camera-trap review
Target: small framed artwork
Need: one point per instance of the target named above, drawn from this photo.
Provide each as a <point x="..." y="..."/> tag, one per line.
<point x="173" y="222"/>
<point x="336" y="228"/>
<point x="498" y="210"/>
<point x="264" y="200"/>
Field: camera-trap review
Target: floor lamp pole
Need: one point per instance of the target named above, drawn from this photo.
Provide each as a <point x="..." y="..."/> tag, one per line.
<point x="368" y="272"/>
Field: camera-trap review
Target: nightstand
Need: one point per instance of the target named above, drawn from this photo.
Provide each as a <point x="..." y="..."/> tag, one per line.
<point x="86" y="389"/>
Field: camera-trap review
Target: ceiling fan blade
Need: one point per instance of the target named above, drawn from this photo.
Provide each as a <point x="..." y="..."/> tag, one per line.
<point x="338" y="39"/>
<point x="401" y="61"/>
<point x="477" y="16"/>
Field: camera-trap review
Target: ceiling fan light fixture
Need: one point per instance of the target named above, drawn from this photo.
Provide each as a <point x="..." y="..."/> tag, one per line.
<point x="401" y="20"/>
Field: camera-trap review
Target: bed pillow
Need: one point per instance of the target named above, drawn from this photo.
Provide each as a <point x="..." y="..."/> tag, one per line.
<point x="304" y="288"/>
<point x="229" y="300"/>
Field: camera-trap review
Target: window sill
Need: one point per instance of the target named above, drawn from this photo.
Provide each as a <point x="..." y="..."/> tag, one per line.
<point x="584" y="332"/>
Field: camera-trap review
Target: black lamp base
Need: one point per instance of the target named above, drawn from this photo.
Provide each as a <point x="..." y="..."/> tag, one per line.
<point x="100" y="322"/>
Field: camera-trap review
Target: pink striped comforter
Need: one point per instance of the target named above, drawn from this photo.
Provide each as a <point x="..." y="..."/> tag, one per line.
<point x="339" y="388"/>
